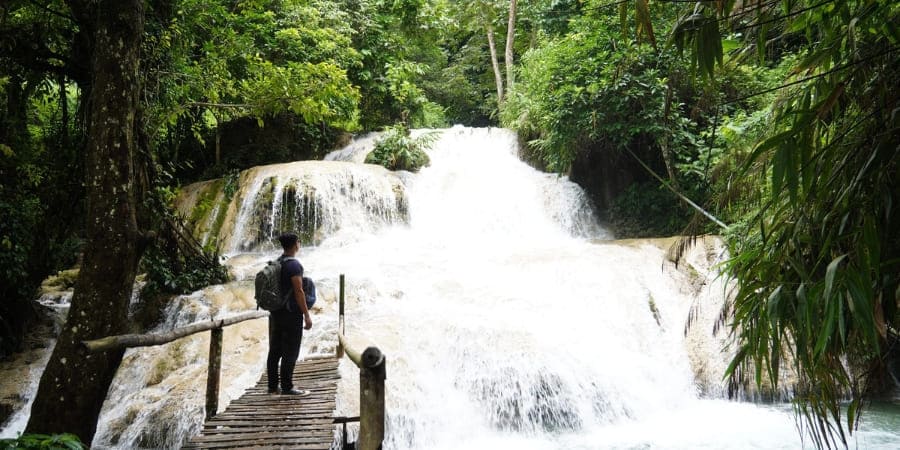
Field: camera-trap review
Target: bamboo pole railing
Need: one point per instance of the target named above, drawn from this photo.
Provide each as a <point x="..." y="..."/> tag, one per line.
<point x="215" y="327"/>
<point x="372" y="375"/>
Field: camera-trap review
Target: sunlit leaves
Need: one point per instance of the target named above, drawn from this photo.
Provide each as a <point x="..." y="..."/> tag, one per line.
<point x="261" y="57"/>
<point x="316" y="92"/>
<point x="398" y="43"/>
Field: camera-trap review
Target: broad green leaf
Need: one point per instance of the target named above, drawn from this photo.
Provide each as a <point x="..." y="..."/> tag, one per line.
<point x="766" y="145"/>
<point x="830" y="275"/>
<point x="773" y="302"/>
<point x="729" y="45"/>
<point x="852" y="416"/>
<point x="779" y="168"/>
<point x="830" y="319"/>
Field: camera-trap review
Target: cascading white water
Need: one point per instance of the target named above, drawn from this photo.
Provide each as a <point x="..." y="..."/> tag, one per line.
<point x="505" y="326"/>
<point x="318" y="198"/>
<point x="507" y="317"/>
<point x="508" y="325"/>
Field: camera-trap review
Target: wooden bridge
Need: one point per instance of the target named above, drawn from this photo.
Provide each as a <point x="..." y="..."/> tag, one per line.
<point x="261" y="420"/>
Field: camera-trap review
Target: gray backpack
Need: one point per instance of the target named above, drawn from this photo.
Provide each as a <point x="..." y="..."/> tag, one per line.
<point x="268" y="287"/>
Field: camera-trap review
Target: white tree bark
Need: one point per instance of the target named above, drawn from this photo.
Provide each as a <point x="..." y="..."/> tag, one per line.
<point x="496" y="64"/>
<point x="510" y="38"/>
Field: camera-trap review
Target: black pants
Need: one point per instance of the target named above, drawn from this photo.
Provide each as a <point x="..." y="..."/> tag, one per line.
<point x="285" y="334"/>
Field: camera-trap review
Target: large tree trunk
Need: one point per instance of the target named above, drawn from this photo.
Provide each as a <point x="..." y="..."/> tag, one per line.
<point x="74" y="384"/>
<point x="14" y="126"/>
<point x="489" y="29"/>
<point x="510" y="37"/>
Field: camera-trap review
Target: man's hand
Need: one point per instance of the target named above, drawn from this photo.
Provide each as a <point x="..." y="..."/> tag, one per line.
<point x="308" y="321"/>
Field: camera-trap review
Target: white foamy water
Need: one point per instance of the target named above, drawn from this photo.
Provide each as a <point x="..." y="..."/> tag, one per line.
<point x="508" y="318"/>
<point x="506" y="327"/>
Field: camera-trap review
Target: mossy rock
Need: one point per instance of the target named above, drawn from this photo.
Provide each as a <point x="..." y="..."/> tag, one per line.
<point x="299" y="212"/>
<point x="62" y="281"/>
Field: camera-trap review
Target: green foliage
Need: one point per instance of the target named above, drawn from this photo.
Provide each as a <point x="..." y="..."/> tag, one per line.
<point x="398" y="44"/>
<point x="816" y="245"/>
<point x="397" y="150"/>
<point x="590" y="98"/>
<point x="43" y="442"/>
<point x="175" y="263"/>
<point x="213" y="63"/>
<point x="181" y="274"/>
<point x="590" y="89"/>
<point x="316" y="92"/>
<point x="699" y="32"/>
<point x="21" y="213"/>
<point x="648" y="210"/>
<point x="565" y="98"/>
<point x="40" y="188"/>
<point x="231" y="184"/>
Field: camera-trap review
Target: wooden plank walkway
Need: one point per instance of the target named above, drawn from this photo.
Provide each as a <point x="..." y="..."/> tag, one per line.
<point x="261" y="420"/>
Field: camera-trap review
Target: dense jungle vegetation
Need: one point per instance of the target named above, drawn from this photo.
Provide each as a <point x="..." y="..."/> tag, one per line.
<point x="771" y="122"/>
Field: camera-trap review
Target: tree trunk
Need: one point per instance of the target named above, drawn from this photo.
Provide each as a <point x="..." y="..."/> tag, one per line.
<point x="497" y="76"/>
<point x="74" y="384"/>
<point x="64" y="106"/>
<point x="14" y="128"/>
<point x="510" y="37"/>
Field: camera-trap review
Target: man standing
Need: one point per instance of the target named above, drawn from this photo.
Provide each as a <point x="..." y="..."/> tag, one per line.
<point x="286" y="325"/>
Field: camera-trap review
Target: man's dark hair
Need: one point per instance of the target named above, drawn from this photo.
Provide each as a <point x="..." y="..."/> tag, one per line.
<point x="288" y="240"/>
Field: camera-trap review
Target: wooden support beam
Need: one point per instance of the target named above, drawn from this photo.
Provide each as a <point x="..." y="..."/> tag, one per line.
<point x="213" y="375"/>
<point x="151" y="339"/>
<point x="338" y="420"/>
<point x="340" y="348"/>
<point x="371" y="400"/>
<point x="372" y="374"/>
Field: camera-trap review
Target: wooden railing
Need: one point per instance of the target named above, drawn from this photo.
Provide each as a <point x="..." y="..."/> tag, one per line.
<point x="215" y="327"/>
<point x="371" y="364"/>
<point x="372" y="375"/>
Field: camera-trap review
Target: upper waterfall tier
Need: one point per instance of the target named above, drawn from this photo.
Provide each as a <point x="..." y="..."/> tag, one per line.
<point x="475" y="172"/>
<point x="315" y="198"/>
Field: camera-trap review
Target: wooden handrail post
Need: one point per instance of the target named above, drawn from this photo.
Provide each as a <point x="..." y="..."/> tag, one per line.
<point x="372" y="373"/>
<point x="341" y="311"/>
<point x="340" y="346"/>
<point x="213" y="375"/>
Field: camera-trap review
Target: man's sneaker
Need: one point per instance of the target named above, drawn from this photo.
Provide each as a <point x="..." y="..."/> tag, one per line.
<point x="294" y="392"/>
<point x="273" y="390"/>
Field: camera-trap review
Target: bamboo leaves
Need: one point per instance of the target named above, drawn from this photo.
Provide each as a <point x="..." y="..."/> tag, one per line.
<point x="643" y="23"/>
<point x="699" y="33"/>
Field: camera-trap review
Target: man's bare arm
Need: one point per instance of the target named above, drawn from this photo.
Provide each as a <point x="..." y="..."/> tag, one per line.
<point x="300" y="298"/>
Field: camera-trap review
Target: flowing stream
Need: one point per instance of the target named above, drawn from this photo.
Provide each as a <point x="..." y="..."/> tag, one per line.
<point x="508" y="316"/>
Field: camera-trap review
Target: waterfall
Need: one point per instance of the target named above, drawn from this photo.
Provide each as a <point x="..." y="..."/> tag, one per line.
<point x="315" y="198"/>
<point x="509" y="317"/>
